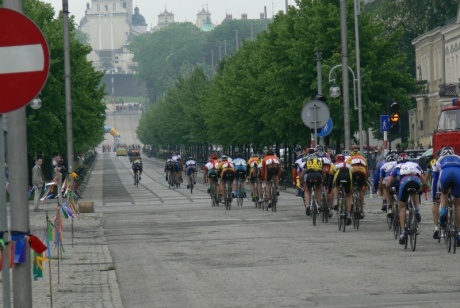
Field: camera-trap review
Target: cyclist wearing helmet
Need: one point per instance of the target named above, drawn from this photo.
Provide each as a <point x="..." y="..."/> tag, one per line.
<point x="312" y="177"/>
<point x="346" y="153"/>
<point x="385" y="172"/>
<point x="327" y="162"/>
<point x="410" y="175"/>
<point x="297" y="170"/>
<point x="271" y="168"/>
<point x="137" y="165"/>
<point x="190" y="171"/>
<point x="210" y="169"/>
<point x="377" y="187"/>
<point x="447" y="171"/>
<point x="241" y="170"/>
<point x="169" y="166"/>
<point x="178" y="160"/>
<point x="359" y="175"/>
<point x="341" y="171"/>
<point x="251" y="171"/>
<point x="227" y="173"/>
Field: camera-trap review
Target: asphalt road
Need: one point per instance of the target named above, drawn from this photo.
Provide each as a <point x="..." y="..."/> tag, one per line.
<point x="172" y="249"/>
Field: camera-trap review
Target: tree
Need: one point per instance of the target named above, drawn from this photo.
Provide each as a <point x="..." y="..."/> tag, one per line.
<point x="46" y="127"/>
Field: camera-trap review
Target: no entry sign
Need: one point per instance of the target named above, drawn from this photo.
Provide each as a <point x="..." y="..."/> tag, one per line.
<point x="24" y="60"/>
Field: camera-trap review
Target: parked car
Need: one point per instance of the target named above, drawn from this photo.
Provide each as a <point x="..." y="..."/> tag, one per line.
<point x="414" y="155"/>
<point x="425" y="159"/>
<point x="121" y="151"/>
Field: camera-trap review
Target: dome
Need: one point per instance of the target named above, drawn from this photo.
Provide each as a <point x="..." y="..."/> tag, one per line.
<point x="138" y="19"/>
<point x="83" y="21"/>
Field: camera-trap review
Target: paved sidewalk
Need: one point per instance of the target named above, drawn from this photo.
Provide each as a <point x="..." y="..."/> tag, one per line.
<point x="85" y="276"/>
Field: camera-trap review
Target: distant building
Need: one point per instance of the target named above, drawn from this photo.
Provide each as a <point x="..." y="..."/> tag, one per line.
<point x="111" y="25"/>
<point x="164" y="19"/>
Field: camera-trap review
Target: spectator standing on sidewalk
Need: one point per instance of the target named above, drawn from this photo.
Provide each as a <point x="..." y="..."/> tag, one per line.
<point x="38" y="180"/>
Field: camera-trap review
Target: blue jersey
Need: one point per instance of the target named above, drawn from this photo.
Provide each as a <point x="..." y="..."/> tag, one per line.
<point x="240" y="164"/>
<point x="443" y="163"/>
<point x="387" y="168"/>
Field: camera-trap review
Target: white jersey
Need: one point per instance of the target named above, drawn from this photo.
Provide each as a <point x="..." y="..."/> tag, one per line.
<point x="176" y="158"/>
<point x="190" y="163"/>
<point x="212" y="165"/>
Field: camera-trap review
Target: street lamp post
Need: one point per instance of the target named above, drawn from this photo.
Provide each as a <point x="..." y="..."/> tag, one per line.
<point x="335" y="92"/>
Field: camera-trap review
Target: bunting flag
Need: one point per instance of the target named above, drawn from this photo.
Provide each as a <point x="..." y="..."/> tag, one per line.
<point x="12" y="252"/>
<point x="21" y="248"/>
<point x="38" y="265"/>
<point x="49" y="237"/>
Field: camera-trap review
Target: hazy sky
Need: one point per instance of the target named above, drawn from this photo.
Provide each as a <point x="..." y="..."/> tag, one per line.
<point x="186" y="10"/>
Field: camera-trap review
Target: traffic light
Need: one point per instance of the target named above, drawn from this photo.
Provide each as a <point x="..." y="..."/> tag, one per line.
<point x="395" y="117"/>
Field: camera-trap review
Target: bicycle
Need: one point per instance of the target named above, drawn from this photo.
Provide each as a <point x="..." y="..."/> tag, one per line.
<point x="411" y="221"/>
<point x="136" y="178"/>
<point x="393" y="203"/>
<point x="228" y="191"/>
<point x="263" y="199"/>
<point x="313" y="201"/>
<point x="274" y="195"/>
<point x="451" y="229"/>
<point x="324" y="205"/>
<point x="213" y="190"/>
<point x="191" y="180"/>
<point x="342" y="211"/>
<point x="395" y="220"/>
<point x="355" y="208"/>
<point x="240" y="192"/>
<point x="172" y="179"/>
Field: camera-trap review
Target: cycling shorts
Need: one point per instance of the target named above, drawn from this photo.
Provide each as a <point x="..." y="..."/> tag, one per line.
<point x="137" y="167"/>
<point x="409" y="181"/>
<point x="190" y="170"/>
<point x="359" y="177"/>
<point x="343" y="175"/>
<point x="450" y="178"/>
<point x="313" y="179"/>
<point x="228" y="175"/>
<point x="241" y="173"/>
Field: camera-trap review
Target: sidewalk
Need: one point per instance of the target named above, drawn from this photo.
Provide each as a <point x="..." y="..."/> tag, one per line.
<point x="85" y="276"/>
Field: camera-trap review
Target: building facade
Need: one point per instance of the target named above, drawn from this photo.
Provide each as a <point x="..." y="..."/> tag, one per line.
<point x="110" y="26"/>
<point x="437" y="55"/>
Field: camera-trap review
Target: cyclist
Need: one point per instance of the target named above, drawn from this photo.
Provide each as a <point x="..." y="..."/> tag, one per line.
<point x="346" y="153"/>
<point x="377" y="187"/>
<point x="225" y="168"/>
<point x="327" y="162"/>
<point x="177" y="159"/>
<point x="190" y="169"/>
<point x="137" y="165"/>
<point x="210" y="169"/>
<point x="447" y="170"/>
<point x="251" y="171"/>
<point x="169" y="167"/>
<point x="410" y="176"/>
<point x="359" y="175"/>
<point x="240" y="169"/>
<point x="271" y="168"/>
<point x="385" y="172"/>
<point x="341" y="171"/>
<point x="312" y="176"/>
<point x="259" y="178"/>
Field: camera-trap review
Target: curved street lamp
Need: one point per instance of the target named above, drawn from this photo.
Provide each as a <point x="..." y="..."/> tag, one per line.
<point x="335" y="92"/>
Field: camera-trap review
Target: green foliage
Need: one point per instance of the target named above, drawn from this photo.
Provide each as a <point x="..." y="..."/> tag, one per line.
<point x="258" y="93"/>
<point x="46" y="127"/>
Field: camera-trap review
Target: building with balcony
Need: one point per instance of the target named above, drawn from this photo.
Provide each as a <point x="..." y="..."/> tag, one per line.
<point x="437" y="55"/>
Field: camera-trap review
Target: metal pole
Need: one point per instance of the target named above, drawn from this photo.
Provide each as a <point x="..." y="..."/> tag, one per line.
<point x="346" y="98"/>
<point x="287" y="6"/>
<point x="4" y="224"/>
<point x="212" y="62"/>
<point x="19" y="214"/>
<point x="320" y="85"/>
<point x="68" y="92"/>
<point x="358" y="72"/>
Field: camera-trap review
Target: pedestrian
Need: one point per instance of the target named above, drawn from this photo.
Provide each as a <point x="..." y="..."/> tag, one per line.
<point x="38" y="180"/>
<point x="379" y="156"/>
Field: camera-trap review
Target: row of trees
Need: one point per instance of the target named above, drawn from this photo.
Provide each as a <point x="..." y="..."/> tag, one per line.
<point x="46" y="127"/>
<point x="257" y="94"/>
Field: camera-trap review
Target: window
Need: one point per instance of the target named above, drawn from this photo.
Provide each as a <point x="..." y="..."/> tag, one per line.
<point x="449" y="119"/>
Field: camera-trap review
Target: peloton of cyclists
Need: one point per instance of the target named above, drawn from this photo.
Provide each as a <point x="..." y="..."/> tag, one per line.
<point x="137" y="165"/>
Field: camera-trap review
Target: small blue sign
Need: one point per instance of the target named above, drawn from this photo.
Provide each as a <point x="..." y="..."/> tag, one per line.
<point x="326" y="129"/>
<point x="384" y="123"/>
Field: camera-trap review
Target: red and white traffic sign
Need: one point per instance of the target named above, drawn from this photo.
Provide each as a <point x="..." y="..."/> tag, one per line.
<point x="24" y="60"/>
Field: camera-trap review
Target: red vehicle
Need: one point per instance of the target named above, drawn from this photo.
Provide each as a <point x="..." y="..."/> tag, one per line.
<point x="448" y="132"/>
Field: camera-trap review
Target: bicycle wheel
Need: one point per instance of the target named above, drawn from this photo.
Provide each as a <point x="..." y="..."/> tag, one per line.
<point x="339" y="213"/>
<point x="450" y="230"/>
<point x="408" y="221"/>
<point x="413" y="231"/>
<point x="356" y="213"/>
<point x="274" y="197"/>
<point x="137" y="179"/>
<point x="390" y="220"/>
<point x="240" y="193"/>
<point x="314" y="209"/>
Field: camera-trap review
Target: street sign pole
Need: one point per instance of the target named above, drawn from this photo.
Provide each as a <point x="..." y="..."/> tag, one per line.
<point x="24" y="67"/>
